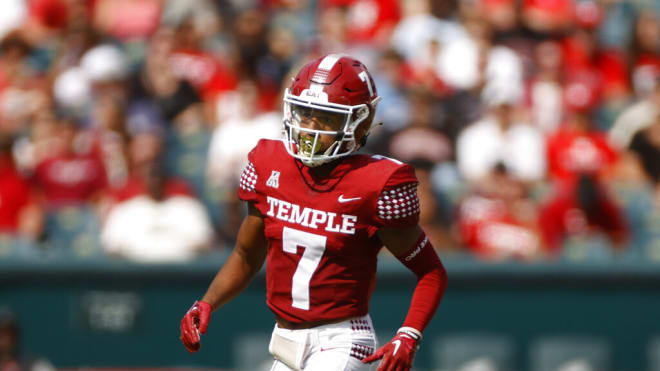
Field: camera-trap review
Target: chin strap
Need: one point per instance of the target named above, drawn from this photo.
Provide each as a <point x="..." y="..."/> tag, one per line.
<point x="363" y="141"/>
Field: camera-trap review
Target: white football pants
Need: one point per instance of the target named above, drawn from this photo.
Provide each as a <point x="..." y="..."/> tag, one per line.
<point x="335" y="347"/>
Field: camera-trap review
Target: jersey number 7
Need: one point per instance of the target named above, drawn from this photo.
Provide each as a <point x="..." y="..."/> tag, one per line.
<point x="314" y="246"/>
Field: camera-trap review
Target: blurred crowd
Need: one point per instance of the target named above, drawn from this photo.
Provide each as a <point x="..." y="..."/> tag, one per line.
<point x="534" y="125"/>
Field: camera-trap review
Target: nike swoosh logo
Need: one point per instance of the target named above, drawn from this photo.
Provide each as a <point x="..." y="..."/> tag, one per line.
<point x="342" y="199"/>
<point x="397" y="344"/>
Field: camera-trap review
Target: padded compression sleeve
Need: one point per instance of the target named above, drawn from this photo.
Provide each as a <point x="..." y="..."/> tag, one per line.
<point x="431" y="283"/>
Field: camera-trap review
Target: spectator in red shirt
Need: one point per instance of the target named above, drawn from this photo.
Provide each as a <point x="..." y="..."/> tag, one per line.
<point x="68" y="177"/>
<point x="370" y="21"/>
<point x="20" y="212"/>
<point x="589" y="67"/>
<point x="498" y="221"/>
<point x="585" y="210"/>
<point x="189" y="61"/>
<point x="579" y="159"/>
<point x="576" y="149"/>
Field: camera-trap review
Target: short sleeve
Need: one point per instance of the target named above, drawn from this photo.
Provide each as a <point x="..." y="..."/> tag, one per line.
<point x="248" y="181"/>
<point x="398" y="204"/>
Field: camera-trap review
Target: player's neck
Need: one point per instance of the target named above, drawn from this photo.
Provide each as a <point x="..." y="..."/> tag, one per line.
<point x="324" y="171"/>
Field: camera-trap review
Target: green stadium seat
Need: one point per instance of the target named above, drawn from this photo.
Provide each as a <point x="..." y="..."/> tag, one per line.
<point x="473" y="351"/>
<point x="569" y="353"/>
<point x="72" y="233"/>
<point x="15" y="248"/>
<point x="251" y="352"/>
<point x="596" y="248"/>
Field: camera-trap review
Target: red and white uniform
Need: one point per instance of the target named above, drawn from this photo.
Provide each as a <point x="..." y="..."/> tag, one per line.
<point x="322" y="243"/>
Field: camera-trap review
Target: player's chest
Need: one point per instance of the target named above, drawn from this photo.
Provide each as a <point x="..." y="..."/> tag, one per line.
<point x="339" y="211"/>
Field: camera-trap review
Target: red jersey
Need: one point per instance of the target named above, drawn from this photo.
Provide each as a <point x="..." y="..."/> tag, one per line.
<point x="322" y="243"/>
<point x="15" y="194"/>
<point x="70" y="179"/>
<point x="491" y="231"/>
<point x="573" y="152"/>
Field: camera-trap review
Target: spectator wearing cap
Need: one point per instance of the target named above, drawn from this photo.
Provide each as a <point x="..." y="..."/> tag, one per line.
<point x="11" y="358"/>
<point x="106" y="68"/>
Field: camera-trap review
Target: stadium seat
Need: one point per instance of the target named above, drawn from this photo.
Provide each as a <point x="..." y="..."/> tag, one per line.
<point x="15" y="248"/>
<point x="72" y="233"/>
<point x="653" y="351"/>
<point x="569" y="353"/>
<point x="642" y="219"/>
<point x="472" y="352"/>
<point x="251" y="352"/>
<point x="186" y="158"/>
<point x="186" y="155"/>
<point x="587" y="248"/>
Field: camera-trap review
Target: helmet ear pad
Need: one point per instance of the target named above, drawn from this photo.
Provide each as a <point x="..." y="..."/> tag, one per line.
<point x="362" y="130"/>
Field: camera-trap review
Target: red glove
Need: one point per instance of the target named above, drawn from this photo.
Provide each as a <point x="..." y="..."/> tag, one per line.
<point x="399" y="353"/>
<point x="195" y="321"/>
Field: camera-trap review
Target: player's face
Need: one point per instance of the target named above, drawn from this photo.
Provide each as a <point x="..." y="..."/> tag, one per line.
<point x="316" y="119"/>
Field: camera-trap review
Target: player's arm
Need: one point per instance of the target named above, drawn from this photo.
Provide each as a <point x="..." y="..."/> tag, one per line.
<point x="411" y="246"/>
<point x="242" y="265"/>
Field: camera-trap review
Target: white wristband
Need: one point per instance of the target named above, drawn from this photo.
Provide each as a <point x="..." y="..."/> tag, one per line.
<point x="411" y="331"/>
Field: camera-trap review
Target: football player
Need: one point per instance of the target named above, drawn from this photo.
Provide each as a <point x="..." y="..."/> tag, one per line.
<point x="319" y="213"/>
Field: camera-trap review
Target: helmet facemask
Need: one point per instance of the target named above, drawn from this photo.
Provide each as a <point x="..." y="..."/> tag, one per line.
<point x="308" y="124"/>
